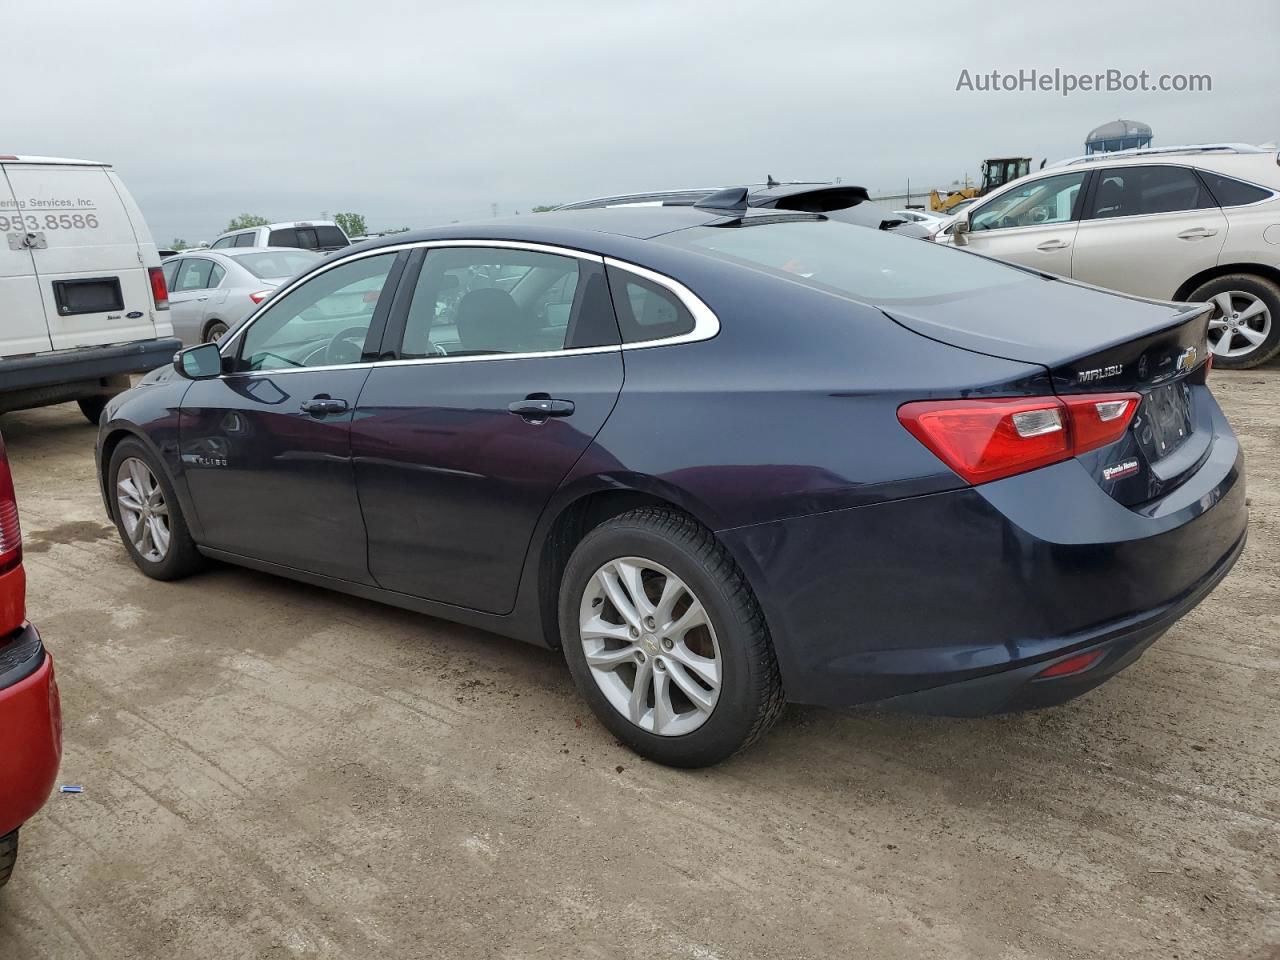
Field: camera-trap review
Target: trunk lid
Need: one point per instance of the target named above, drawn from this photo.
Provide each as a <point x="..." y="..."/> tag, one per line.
<point x="1094" y="344"/>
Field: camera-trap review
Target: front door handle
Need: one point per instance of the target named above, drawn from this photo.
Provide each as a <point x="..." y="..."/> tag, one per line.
<point x="1196" y="233"/>
<point x="1051" y="245"/>
<point x="538" y="408"/>
<point x="322" y="404"/>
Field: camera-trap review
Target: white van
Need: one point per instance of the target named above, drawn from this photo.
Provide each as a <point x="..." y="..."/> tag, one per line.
<point x="322" y="235"/>
<point x="83" y="302"/>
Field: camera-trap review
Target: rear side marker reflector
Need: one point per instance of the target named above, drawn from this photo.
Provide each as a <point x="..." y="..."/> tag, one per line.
<point x="985" y="440"/>
<point x="1072" y="665"/>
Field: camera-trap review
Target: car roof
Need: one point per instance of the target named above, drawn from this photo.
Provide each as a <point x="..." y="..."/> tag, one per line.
<point x="234" y="252"/>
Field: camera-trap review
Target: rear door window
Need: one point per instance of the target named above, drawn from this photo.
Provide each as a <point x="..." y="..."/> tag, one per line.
<point x="474" y="301"/>
<point x="247" y="239"/>
<point x="1140" y="191"/>
<point x="216" y="275"/>
<point x="285" y="237"/>
<point x="330" y="238"/>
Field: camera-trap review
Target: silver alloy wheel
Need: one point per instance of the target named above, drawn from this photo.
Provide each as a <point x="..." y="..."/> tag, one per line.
<point x="143" y="510"/>
<point x="1240" y="324"/>
<point x="215" y="331"/>
<point x="650" y="646"/>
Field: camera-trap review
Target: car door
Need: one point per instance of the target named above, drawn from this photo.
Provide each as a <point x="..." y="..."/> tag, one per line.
<point x="24" y="329"/>
<point x="266" y="448"/>
<point x="506" y="365"/>
<point x="1147" y="229"/>
<point x="188" y="297"/>
<point x="88" y="255"/>
<point x="1032" y="223"/>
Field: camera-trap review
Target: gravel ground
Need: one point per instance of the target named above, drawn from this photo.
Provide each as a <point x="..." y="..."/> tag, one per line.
<point x="271" y="770"/>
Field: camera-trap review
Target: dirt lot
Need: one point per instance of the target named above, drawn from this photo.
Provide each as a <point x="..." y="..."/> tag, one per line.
<point x="271" y="770"/>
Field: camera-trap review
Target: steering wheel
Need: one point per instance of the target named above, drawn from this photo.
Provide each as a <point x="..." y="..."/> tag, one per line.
<point x="345" y="346"/>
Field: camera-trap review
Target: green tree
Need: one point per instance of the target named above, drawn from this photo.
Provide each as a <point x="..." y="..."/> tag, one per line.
<point x="352" y="224"/>
<point x="541" y="209"/>
<point x="179" y="244"/>
<point x="246" y="220"/>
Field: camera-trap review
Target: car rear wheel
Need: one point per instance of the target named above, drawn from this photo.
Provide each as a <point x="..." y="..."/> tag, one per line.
<point x="1244" y="328"/>
<point x="666" y="641"/>
<point x="8" y="856"/>
<point x="214" y="331"/>
<point x="148" y="515"/>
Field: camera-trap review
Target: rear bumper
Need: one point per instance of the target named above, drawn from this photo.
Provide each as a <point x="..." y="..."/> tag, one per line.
<point x="979" y="589"/>
<point x="1118" y="646"/>
<point x="85" y="363"/>
<point x="30" y="728"/>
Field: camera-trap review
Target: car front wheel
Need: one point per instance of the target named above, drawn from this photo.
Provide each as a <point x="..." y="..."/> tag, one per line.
<point x="148" y="515"/>
<point x="666" y="641"/>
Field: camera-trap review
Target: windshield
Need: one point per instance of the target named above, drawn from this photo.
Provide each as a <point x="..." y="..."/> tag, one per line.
<point x="279" y="263"/>
<point x="868" y="265"/>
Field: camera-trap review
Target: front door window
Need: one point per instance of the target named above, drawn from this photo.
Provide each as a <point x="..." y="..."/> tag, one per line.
<point x="1046" y="201"/>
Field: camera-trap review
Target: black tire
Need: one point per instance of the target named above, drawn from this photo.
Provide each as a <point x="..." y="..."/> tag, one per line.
<point x="8" y="856"/>
<point x="182" y="558"/>
<point x="751" y="695"/>
<point x="214" y="331"/>
<point x="1265" y="290"/>
<point x="92" y="407"/>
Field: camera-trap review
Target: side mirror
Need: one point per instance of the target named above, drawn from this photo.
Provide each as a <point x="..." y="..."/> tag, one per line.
<point x="960" y="231"/>
<point x="198" y="363"/>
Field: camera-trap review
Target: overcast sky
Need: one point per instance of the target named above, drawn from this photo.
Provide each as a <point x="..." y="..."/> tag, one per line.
<point x="415" y="113"/>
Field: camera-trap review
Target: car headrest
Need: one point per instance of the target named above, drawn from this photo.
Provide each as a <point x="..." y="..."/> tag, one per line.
<point x="488" y="321"/>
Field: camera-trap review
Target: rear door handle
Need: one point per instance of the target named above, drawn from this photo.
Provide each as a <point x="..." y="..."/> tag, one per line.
<point x="1049" y="245"/>
<point x="539" y="408"/>
<point x="1196" y="233"/>
<point x="321" y="405"/>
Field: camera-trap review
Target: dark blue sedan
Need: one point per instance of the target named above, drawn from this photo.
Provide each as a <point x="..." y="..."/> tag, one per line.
<point x="723" y="457"/>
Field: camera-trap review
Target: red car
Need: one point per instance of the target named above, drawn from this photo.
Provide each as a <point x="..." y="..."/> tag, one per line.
<point x="30" y="714"/>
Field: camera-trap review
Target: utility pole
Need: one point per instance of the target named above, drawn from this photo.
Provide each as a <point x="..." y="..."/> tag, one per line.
<point x="493" y="209"/>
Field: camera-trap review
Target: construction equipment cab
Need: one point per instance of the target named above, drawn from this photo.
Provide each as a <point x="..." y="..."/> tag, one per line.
<point x="996" y="172"/>
<point x="83" y="302"/>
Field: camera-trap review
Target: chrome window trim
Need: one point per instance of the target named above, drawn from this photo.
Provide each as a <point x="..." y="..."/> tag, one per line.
<point x="705" y="323"/>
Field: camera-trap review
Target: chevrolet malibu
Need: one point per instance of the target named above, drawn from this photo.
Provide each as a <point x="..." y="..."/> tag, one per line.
<point x="722" y="457"/>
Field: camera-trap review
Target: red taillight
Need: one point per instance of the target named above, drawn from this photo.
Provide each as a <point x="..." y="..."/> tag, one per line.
<point x="10" y="532"/>
<point x="1077" y="664"/>
<point x="159" y="292"/>
<point x="984" y="440"/>
<point x="260" y="295"/>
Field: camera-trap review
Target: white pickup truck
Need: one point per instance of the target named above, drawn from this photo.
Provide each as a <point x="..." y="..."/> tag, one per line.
<point x="83" y="302"/>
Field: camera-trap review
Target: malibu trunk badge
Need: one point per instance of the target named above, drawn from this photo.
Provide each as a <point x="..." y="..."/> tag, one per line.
<point x="1125" y="468"/>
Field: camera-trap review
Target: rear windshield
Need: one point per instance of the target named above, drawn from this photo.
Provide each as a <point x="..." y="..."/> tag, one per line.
<point x="868" y="265"/>
<point x="280" y="263"/>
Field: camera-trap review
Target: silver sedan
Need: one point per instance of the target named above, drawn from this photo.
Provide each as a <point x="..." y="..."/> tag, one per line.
<point x="209" y="291"/>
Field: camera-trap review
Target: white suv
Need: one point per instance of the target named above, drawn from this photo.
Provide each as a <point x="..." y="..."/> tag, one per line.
<point x="320" y="235"/>
<point x="1194" y="224"/>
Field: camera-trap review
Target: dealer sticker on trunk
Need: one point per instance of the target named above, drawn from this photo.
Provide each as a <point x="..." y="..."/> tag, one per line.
<point x="1125" y="468"/>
